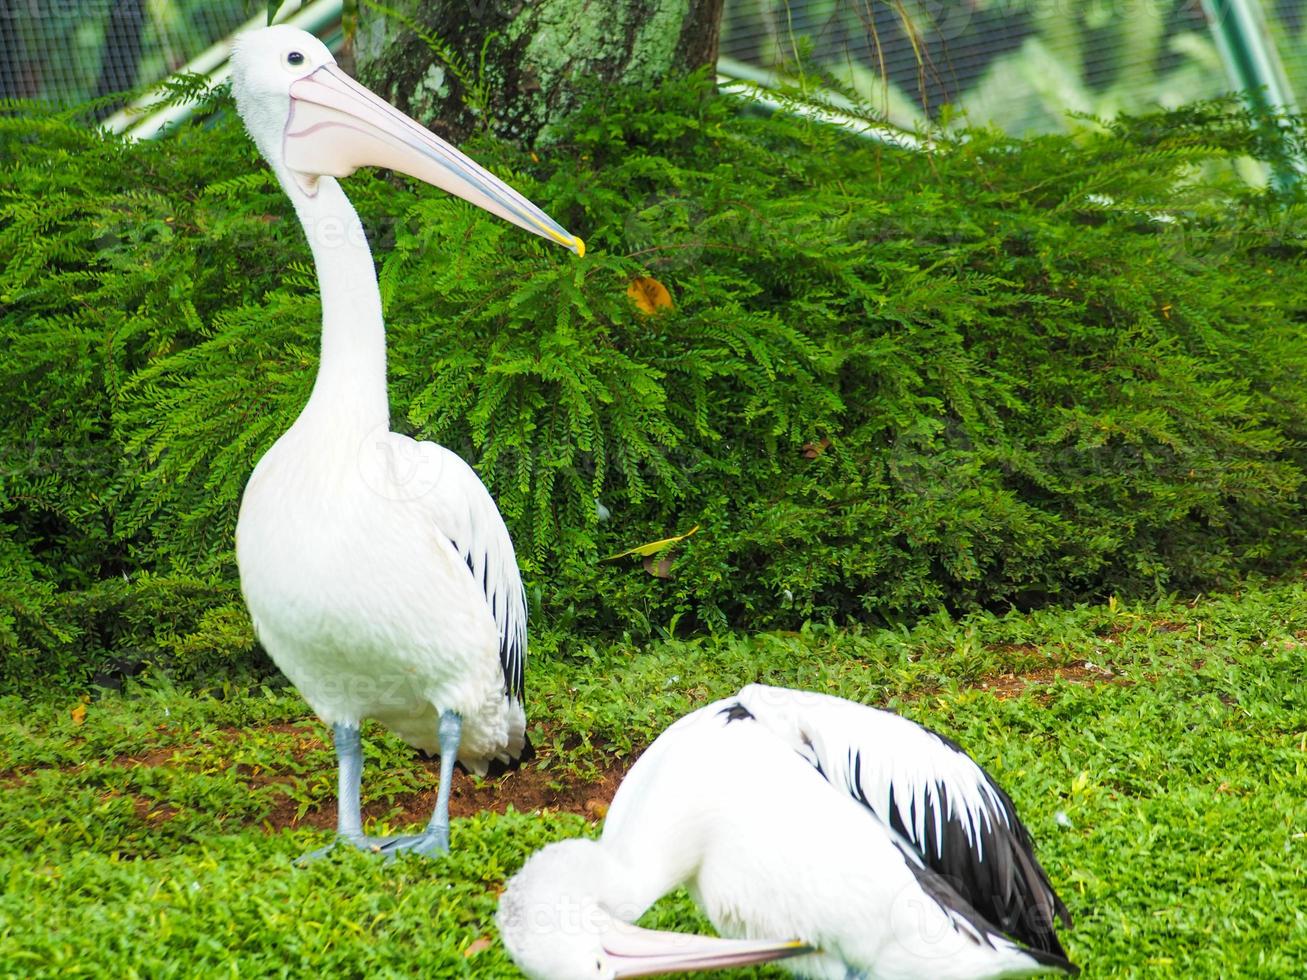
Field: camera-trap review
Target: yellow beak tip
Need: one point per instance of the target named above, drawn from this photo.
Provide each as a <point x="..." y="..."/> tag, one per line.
<point x="579" y="246"/>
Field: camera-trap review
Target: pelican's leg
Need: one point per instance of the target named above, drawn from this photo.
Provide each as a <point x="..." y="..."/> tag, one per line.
<point x="451" y="734"/>
<point x="349" y="816"/>
<point x="349" y="758"/>
<point x="435" y="839"/>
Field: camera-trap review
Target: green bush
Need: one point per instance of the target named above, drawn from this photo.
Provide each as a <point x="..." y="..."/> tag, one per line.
<point x="1000" y="372"/>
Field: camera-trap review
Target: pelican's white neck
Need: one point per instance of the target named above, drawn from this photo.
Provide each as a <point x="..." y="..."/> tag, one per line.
<point x="556" y="911"/>
<point x="350" y="390"/>
<point x="567" y="916"/>
<point x="582" y="873"/>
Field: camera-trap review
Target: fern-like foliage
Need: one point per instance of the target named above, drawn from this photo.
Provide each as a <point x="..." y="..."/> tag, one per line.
<point x="995" y="372"/>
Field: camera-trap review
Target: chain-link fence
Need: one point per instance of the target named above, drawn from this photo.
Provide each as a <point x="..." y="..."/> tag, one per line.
<point x="1024" y="65"/>
<point x="73" y="50"/>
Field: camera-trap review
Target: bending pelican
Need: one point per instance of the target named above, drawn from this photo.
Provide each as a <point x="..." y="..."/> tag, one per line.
<point x="771" y="851"/>
<point x="378" y="572"/>
<point x="927" y="789"/>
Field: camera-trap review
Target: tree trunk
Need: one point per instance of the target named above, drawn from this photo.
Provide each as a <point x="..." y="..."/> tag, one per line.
<point x="518" y="67"/>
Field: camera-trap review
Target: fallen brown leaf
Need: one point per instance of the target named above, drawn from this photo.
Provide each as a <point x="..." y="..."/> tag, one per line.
<point x="811" y="450"/>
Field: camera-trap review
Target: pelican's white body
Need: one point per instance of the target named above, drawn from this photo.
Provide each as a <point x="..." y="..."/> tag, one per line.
<point x="361" y="598"/>
<point x="768" y="848"/>
<point x="379" y="574"/>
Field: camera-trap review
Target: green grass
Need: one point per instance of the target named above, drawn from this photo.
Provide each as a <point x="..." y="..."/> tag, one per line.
<point x="137" y="842"/>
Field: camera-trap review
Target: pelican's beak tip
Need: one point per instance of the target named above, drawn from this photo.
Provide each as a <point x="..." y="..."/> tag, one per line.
<point x="578" y="246"/>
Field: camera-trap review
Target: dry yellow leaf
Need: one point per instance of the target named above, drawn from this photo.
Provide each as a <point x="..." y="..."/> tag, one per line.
<point x="78" y="713"/>
<point x="649" y="295"/>
<point x="653" y="547"/>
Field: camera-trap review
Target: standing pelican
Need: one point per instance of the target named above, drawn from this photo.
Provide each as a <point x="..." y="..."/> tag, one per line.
<point x="377" y="570"/>
<point x="772" y="851"/>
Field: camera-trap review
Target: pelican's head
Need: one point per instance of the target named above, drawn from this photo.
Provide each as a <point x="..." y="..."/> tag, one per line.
<point x="311" y="120"/>
<point x="557" y="924"/>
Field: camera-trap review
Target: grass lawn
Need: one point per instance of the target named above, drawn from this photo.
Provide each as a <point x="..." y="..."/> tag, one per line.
<point x="1158" y="753"/>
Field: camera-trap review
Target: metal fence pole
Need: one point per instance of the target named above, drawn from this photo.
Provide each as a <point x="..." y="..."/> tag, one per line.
<point x="1254" y="66"/>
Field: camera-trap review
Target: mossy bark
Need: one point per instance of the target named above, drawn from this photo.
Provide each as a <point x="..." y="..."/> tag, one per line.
<point x="517" y="67"/>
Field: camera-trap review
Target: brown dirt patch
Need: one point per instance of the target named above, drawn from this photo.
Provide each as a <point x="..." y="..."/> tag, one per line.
<point x="307" y="739"/>
<point x="1004" y="686"/>
<point x="527" y="790"/>
<point x="530" y="788"/>
<point x="154" y="757"/>
<point x="1168" y="626"/>
<point x="152" y="810"/>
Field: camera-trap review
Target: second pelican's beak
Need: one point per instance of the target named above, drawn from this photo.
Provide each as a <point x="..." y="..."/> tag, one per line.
<point x="636" y="952"/>
<point x="336" y="126"/>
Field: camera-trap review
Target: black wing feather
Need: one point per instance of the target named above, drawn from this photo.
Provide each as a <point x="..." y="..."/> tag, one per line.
<point x="512" y="642"/>
<point x="991" y="863"/>
<point x="952" y="899"/>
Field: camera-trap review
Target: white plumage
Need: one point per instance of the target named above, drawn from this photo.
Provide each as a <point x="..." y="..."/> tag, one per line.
<point x="377" y="569"/>
<point x="771" y="850"/>
<point x="374" y="573"/>
<point x="961" y="822"/>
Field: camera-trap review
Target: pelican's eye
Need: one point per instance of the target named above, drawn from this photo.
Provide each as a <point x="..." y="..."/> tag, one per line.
<point x="294" y="58"/>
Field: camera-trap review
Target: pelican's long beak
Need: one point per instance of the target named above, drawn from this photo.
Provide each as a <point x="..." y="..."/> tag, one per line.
<point x="637" y="952"/>
<point x="336" y="126"/>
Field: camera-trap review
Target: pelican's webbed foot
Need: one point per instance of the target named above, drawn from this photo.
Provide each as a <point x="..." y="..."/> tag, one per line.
<point x="427" y="844"/>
